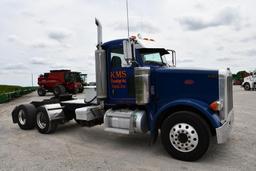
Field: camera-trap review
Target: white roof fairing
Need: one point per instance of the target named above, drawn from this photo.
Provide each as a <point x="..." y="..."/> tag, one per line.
<point x="141" y="43"/>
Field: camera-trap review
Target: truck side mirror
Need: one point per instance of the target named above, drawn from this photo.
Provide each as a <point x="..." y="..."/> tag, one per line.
<point x="173" y="57"/>
<point x="128" y="49"/>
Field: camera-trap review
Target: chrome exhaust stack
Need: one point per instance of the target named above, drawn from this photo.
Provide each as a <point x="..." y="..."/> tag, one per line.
<point x="99" y="33"/>
<point x="100" y="66"/>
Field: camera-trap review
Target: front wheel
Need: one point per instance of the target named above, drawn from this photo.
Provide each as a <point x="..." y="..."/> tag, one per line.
<point x="185" y="136"/>
<point x="41" y="91"/>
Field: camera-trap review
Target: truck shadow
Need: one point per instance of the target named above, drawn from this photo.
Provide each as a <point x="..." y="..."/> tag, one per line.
<point x="135" y="143"/>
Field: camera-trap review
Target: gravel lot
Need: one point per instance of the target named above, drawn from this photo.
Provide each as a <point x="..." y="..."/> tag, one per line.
<point x="73" y="147"/>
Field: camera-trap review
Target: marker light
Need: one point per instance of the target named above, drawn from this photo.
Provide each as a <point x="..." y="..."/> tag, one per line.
<point x="133" y="37"/>
<point x="216" y="106"/>
<point x="142" y="38"/>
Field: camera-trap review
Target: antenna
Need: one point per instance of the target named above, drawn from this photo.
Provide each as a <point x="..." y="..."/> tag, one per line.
<point x="127" y="18"/>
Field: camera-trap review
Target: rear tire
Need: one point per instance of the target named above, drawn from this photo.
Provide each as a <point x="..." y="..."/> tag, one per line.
<point x="185" y="136"/>
<point x="41" y="91"/>
<point x="58" y="90"/>
<point x="247" y="87"/>
<point x="26" y="116"/>
<point x="43" y="124"/>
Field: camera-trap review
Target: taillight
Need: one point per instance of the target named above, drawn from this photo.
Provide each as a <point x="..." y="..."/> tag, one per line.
<point x="216" y="105"/>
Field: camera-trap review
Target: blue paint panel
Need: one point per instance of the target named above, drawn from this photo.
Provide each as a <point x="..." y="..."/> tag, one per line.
<point x="118" y="95"/>
<point x="197" y="88"/>
<point x="119" y="87"/>
<point x="199" y="105"/>
<point x="112" y="43"/>
<point x="172" y="84"/>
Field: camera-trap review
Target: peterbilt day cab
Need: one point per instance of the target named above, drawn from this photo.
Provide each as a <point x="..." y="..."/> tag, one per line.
<point x="138" y="91"/>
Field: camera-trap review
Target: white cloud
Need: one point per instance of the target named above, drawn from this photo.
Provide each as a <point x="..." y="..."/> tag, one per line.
<point x="59" y="34"/>
<point x="225" y="17"/>
<point x="15" y="66"/>
<point x="185" y="61"/>
<point x="39" y="61"/>
<point x="225" y="59"/>
<point x="59" y="66"/>
<point x="138" y="26"/>
<point x="42" y="44"/>
<point x="12" y="38"/>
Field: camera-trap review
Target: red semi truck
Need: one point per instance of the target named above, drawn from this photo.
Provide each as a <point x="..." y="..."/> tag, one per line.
<point x="60" y="82"/>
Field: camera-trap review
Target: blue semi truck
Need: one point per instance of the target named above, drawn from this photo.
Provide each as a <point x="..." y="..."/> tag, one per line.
<point x="139" y="91"/>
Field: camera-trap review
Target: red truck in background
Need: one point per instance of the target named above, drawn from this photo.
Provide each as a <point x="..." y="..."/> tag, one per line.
<point x="60" y="82"/>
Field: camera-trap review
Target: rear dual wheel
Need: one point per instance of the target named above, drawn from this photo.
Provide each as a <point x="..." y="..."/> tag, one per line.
<point x="185" y="136"/>
<point x="43" y="123"/>
<point x="26" y="116"/>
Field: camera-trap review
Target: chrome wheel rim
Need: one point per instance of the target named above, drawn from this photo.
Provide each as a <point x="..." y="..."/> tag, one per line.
<point x="21" y="117"/>
<point x="41" y="120"/>
<point x="183" y="137"/>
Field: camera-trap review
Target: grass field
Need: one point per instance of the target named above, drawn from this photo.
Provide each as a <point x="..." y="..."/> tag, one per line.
<point x="9" y="92"/>
<point x="9" y="88"/>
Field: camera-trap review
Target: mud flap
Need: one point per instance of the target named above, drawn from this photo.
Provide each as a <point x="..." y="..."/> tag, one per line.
<point x="153" y="136"/>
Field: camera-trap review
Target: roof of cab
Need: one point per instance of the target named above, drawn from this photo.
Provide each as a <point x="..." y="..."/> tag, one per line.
<point x="111" y="43"/>
<point x="139" y="44"/>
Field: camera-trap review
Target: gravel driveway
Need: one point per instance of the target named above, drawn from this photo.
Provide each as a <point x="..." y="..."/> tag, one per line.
<point x="73" y="147"/>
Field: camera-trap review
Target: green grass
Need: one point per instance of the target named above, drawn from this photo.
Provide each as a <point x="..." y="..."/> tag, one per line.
<point x="9" y="92"/>
<point x="9" y="88"/>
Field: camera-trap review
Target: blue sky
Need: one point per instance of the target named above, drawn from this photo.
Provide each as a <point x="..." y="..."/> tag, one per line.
<point x="36" y="36"/>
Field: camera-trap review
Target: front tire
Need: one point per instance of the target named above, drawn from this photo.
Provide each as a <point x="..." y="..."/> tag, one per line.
<point x="41" y="91"/>
<point x="26" y="116"/>
<point x="185" y="136"/>
<point x="43" y="124"/>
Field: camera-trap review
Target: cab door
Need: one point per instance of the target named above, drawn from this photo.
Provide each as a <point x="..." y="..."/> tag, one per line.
<point x="121" y="77"/>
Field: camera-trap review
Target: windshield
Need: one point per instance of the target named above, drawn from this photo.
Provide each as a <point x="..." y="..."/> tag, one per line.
<point x="73" y="77"/>
<point x="155" y="56"/>
<point x="83" y="77"/>
<point x="152" y="57"/>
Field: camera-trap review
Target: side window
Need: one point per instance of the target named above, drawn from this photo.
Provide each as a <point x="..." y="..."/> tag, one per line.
<point x="117" y="58"/>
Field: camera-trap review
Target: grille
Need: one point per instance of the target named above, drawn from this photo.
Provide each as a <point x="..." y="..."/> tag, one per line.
<point x="229" y="93"/>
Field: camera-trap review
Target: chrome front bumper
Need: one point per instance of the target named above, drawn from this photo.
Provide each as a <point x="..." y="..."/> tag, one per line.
<point x="223" y="132"/>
